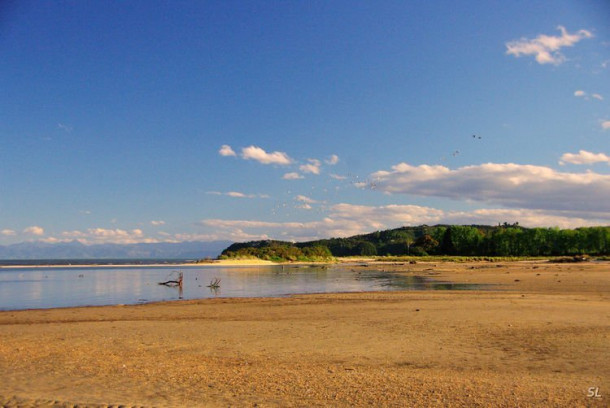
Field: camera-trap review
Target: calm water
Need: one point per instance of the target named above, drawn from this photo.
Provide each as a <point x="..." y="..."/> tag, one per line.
<point x="33" y="288"/>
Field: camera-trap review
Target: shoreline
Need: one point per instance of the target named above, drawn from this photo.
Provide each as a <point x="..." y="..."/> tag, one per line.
<point x="260" y="262"/>
<point x="143" y="264"/>
<point x="542" y="342"/>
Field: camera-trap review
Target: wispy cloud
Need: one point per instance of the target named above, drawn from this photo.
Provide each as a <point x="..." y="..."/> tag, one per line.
<point x="237" y="194"/>
<point x="347" y="219"/>
<point x="107" y="236"/>
<point x="510" y="185"/>
<point x="258" y="154"/>
<point x="606" y="124"/>
<point x="546" y="48"/>
<point x="8" y="232"/>
<point x="226" y="150"/>
<point x="312" y="167"/>
<point x="332" y="160"/>
<point x="157" y="223"/>
<point x="65" y="128"/>
<point x="305" y="199"/>
<point x="292" y="176"/>
<point x="244" y="230"/>
<point x="390" y="216"/>
<point x="585" y="95"/>
<point x="305" y="203"/>
<point x="34" y="230"/>
<point x="584" y="157"/>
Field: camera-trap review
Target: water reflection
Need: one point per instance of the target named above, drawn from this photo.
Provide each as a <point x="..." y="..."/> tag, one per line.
<point x="398" y="282"/>
<point x="79" y="286"/>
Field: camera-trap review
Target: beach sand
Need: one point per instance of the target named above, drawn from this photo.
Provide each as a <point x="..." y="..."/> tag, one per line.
<point x="540" y="339"/>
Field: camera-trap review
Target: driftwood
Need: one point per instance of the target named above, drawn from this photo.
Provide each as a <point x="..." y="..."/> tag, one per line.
<point x="214" y="284"/>
<point x="173" y="283"/>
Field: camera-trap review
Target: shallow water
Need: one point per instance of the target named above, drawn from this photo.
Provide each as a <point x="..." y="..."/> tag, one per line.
<point x="35" y="288"/>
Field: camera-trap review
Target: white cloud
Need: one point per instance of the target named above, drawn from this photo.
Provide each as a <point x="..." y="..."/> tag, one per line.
<point x="332" y="160"/>
<point x="606" y="124"/>
<point x="34" y="230"/>
<point x="338" y="177"/>
<point x="584" y="95"/>
<point x="305" y="199"/>
<point x="157" y="223"/>
<point x="525" y="217"/>
<point x="50" y="240"/>
<point x="292" y="176"/>
<point x="106" y="236"/>
<point x="183" y="237"/>
<point x="391" y="216"/>
<point x="584" y="157"/>
<point x="546" y="48"/>
<point x="381" y="217"/>
<point x="261" y="156"/>
<point x="226" y="150"/>
<point x="312" y="167"/>
<point x="237" y="194"/>
<point x="244" y="230"/>
<point x="347" y="219"/>
<point x="510" y="185"/>
<point x="8" y="232"/>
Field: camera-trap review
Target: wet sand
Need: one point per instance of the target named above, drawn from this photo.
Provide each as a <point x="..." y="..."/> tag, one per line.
<point x="540" y="339"/>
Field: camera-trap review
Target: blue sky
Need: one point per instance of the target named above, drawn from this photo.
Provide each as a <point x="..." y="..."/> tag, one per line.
<point x="149" y="121"/>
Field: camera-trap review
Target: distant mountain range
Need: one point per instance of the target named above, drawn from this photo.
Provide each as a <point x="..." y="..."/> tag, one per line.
<point x="77" y="250"/>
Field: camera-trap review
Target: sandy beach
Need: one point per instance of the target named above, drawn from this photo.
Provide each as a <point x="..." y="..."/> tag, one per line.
<point x="539" y="338"/>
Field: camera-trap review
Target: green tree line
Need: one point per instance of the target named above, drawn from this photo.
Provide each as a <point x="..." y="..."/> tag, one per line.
<point x="459" y="240"/>
<point x="278" y="251"/>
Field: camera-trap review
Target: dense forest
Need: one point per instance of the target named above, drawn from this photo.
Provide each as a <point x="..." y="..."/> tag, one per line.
<point x="460" y="240"/>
